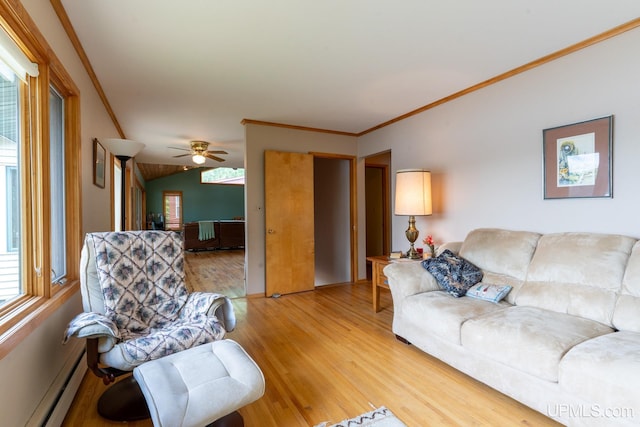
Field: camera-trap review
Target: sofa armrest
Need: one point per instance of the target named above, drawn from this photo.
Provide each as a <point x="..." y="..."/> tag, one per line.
<point x="91" y="325"/>
<point x="452" y="246"/>
<point x="211" y="304"/>
<point x="409" y="278"/>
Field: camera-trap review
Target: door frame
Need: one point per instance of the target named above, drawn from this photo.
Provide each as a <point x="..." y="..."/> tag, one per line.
<point x="386" y="205"/>
<point x="353" y="206"/>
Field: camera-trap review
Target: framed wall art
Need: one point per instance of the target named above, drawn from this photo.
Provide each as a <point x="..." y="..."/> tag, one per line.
<point x="578" y="159"/>
<point x="99" y="155"/>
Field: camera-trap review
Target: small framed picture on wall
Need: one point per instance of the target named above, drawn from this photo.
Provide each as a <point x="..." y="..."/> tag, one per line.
<point x="578" y="159"/>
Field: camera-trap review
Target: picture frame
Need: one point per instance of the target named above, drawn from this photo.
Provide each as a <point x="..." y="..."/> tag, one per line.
<point x="99" y="156"/>
<point x="577" y="159"/>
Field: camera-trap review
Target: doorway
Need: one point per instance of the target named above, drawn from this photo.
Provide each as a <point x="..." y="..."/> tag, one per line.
<point x="291" y="186"/>
<point x="378" y="205"/>
<point x="332" y="211"/>
<point x="172" y="208"/>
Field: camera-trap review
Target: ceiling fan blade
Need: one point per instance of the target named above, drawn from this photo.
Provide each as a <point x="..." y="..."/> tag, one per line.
<point x="180" y="148"/>
<point x="212" y="157"/>
<point x="217" y="152"/>
<point x="182" y="155"/>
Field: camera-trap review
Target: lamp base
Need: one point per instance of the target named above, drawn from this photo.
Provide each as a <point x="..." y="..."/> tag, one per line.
<point x="412" y="235"/>
<point x="413" y="254"/>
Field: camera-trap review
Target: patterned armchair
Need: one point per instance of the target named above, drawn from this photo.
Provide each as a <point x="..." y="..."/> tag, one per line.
<point x="137" y="309"/>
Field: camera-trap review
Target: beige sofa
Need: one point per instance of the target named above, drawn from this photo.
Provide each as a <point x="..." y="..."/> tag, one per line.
<point x="565" y="341"/>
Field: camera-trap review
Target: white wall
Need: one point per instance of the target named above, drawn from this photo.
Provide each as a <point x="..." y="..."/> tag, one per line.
<point x="95" y="122"/>
<point x="29" y="370"/>
<point x="34" y="366"/>
<point x="485" y="149"/>
<point x="332" y="212"/>
<point x="258" y="139"/>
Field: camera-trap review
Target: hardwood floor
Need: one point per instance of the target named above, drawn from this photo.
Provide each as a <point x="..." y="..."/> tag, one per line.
<point x="219" y="271"/>
<point x="327" y="356"/>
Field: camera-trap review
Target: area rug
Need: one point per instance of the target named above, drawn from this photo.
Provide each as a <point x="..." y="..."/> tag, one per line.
<point x="381" y="417"/>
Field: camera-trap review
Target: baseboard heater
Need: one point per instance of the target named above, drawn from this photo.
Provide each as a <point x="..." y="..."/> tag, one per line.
<point x="57" y="401"/>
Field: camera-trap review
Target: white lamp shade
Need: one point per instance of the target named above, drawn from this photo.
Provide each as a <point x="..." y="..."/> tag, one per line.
<point x="122" y="147"/>
<point x="413" y="192"/>
<point x="198" y="159"/>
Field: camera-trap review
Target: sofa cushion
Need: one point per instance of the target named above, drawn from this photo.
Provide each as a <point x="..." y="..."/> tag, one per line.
<point x="527" y="338"/>
<point x="441" y="314"/>
<point x="626" y="316"/>
<point x="605" y="370"/>
<point x="453" y="273"/>
<point x="577" y="273"/>
<point x="488" y="292"/>
<point x="503" y="252"/>
<point x="503" y="255"/>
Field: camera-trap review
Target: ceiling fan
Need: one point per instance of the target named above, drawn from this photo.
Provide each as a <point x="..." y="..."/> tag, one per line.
<point x="199" y="152"/>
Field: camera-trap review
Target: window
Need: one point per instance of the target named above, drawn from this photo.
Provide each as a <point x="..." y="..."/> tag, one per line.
<point x="228" y="176"/>
<point x="56" y="183"/>
<point x="172" y="201"/>
<point x="10" y="253"/>
<point x="138" y="205"/>
<point x="12" y="210"/>
<point x="40" y="180"/>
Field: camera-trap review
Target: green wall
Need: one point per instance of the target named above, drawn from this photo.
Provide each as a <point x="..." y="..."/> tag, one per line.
<point x="200" y="202"/>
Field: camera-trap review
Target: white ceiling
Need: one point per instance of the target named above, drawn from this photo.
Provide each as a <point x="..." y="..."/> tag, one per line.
<point x="174" y="71"/>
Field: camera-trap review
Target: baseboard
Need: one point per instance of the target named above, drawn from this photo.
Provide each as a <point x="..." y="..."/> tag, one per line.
<point x="57" y="401"/>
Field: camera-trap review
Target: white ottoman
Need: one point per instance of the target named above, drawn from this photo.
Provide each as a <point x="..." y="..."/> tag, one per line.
<point x="198" y="386"/>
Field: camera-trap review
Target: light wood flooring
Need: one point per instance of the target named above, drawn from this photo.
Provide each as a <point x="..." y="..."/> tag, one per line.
<point x="327" y="356"/>
<point x="216" y="271"/>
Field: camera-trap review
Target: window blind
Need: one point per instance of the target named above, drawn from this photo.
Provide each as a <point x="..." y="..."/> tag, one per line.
<point x="15" y="59"/>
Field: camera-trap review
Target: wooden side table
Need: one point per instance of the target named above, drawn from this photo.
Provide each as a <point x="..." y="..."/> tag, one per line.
<point x="378" y="279"/>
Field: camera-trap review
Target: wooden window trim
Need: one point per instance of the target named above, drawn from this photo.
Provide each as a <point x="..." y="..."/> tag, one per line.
<point x="23" y="315"/>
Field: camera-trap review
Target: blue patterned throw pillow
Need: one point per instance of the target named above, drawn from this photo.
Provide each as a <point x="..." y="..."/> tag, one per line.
<point x="453" y="273"/>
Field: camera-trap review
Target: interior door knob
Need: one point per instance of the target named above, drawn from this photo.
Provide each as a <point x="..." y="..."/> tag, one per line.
<point x="270" y="231"/>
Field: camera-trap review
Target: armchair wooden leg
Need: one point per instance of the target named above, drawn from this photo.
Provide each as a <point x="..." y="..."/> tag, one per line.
<point x="123" y="401"/>
<point x="402" y="340"/>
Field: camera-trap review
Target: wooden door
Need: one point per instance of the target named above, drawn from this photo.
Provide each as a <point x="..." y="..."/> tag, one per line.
<point x="289" y="220"/>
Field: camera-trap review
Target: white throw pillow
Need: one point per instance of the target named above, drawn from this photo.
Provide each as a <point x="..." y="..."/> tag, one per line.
<point x="493" y="293"/>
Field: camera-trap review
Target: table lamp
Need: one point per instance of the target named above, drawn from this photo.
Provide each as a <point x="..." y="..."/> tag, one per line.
<point x="413" y="197"/>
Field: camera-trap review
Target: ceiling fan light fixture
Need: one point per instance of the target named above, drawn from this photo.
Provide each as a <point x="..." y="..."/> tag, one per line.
<point x="198" y="159"/>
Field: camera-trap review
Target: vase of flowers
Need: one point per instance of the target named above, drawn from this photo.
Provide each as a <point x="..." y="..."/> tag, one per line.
<point x="431" y="251"/>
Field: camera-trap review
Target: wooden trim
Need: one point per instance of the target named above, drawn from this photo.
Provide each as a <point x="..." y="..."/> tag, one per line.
<point x="23" y="31"/>
<point x="514" y="72"/>
<point x="75" y="41"/>
<point x="28" y="241"/>
<point x="616" y="31"/>
<point x="137" y="185"/>
<point x="305" y="128"/>
<point x="386" y="208"/>
<point x="36" y="312"/>
<point x="128" y="196"/>
<point x="353" y="172"/>
<point x="386" y="204"/>
<point x="73" y="176"/>
<point x="112" y="180"/>
<point x="66" y="24"/>
<point x="353" y="205"/>
<point x="41" y="172"/>
<point x="23" y="315"/>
